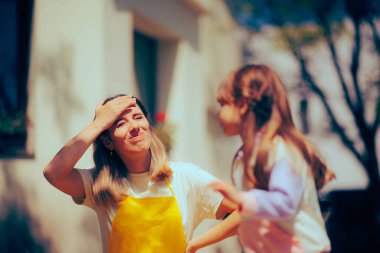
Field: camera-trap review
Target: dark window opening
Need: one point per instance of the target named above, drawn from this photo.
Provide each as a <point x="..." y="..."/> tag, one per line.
<point x="15" y="34"/>
<point x="145" y="60"/>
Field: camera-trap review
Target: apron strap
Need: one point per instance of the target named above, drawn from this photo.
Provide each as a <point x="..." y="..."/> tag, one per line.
<point x="170" y="186"/>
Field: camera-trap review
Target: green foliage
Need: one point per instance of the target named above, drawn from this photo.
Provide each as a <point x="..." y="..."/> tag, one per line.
<point x="304" y="34"/>
<point x="12" y="123"/>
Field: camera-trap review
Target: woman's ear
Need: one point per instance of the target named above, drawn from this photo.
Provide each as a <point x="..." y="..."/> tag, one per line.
<point x="107" y="142"/>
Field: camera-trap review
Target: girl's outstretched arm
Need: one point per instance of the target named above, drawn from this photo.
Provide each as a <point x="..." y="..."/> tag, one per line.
<point x="280" y="201"/>
<point x="60" y="170"/>
<point x="228" y="227"/>
<point x="229" y="192"/>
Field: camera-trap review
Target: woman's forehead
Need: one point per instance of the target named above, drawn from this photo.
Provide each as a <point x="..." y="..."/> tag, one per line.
<point x="132" y="110"/>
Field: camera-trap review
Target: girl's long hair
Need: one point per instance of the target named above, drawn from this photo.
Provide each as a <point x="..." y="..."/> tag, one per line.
<point x="110" y="172"/>
<point x="264" y="94"/>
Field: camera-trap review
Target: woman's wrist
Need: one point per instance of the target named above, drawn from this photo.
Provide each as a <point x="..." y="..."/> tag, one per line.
<point x="98" y="126"/>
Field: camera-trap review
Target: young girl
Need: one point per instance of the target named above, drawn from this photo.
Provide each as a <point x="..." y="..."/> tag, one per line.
<point x="281" y="171"/>
<point x="144" y="203"/>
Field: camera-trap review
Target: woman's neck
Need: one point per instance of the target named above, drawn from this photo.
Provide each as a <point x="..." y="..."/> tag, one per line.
<point x="138" y="164"/>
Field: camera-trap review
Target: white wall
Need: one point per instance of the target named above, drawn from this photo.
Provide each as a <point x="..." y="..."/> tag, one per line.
<point x="66" y="81"/>
<point x="118" y="38"/>
<point x="82" y="52"/>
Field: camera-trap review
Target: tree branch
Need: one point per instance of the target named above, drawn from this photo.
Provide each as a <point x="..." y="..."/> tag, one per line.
<point x="376" y="42"/>
<point x="376" y="122"/>
<point x="331" y="46"/>
<point x="358" y="113"/>
<point x="358" y="109"/>
<point x="376" y="37"/>
<point x="355" y="67"/>
<point x="335" y="124"/>
<point x="363" y="127"/>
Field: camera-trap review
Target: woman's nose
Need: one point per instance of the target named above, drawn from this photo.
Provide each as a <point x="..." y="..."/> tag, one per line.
<point x="133" y="129"/>
<point x="133" y="125"/>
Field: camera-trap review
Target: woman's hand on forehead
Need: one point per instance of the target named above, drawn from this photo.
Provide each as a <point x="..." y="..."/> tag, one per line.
<point x="108" y="113"/>
<point x="123" y="101"/>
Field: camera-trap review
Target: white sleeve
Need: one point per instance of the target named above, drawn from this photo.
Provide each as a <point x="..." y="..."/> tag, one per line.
<point x="208" y="201"/>
<point x="86" y="175"/>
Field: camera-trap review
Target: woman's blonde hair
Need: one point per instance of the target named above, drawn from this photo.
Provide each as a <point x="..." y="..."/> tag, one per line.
<point x="261" y="90"/>
<point x="110" y="172"/>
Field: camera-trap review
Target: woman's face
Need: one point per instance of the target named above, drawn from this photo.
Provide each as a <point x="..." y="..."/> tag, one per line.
<point x="130" y="134"/>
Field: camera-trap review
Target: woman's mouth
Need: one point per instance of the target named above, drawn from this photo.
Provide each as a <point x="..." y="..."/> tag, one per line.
<point x="136" y="137"/>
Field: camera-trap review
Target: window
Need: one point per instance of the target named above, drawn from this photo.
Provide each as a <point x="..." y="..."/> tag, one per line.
<point x="145" y="61"/>
<point x="15" y="31"/>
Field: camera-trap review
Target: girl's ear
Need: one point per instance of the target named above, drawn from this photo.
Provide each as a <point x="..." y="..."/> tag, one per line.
<point x="243" y="109"/>
<point x="107" y="142"/>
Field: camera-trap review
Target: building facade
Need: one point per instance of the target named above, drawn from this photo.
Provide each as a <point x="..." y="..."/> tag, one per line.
<point x="170" y="53"/>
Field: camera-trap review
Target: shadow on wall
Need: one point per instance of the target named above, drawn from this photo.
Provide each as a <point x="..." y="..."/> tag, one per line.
<point x="19" y="230"/>
<point x="57" y="68"/>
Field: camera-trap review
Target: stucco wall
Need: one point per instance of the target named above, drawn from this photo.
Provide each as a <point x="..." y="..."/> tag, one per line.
<point x="82" y="52"/>
<point x="66" y="81"/>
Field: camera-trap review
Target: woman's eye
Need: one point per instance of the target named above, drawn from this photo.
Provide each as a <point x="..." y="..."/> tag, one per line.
<point x="120" y="123"/>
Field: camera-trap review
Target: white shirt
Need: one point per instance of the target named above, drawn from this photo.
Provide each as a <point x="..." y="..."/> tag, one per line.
<point x="196" y="201"/>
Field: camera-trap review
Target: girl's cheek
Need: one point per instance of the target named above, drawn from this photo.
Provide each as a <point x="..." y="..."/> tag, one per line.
<point x="219" y="116"/>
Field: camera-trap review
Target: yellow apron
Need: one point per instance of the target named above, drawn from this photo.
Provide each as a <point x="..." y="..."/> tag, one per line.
<point x="145" y="225"/>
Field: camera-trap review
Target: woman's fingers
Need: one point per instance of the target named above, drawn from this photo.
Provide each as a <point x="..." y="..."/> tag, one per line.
<point x="120" y="104"/>
<point x="99" y="105"/>
<point x="109" y="112"/>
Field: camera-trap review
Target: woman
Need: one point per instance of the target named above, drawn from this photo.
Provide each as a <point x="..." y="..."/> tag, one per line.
<point x="143" y="202"/>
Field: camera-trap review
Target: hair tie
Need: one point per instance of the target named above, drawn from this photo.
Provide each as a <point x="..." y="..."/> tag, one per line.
<point x="262" y="109"/>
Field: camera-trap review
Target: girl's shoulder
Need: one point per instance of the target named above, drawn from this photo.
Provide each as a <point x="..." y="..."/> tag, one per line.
<point x="282" y="150"/>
